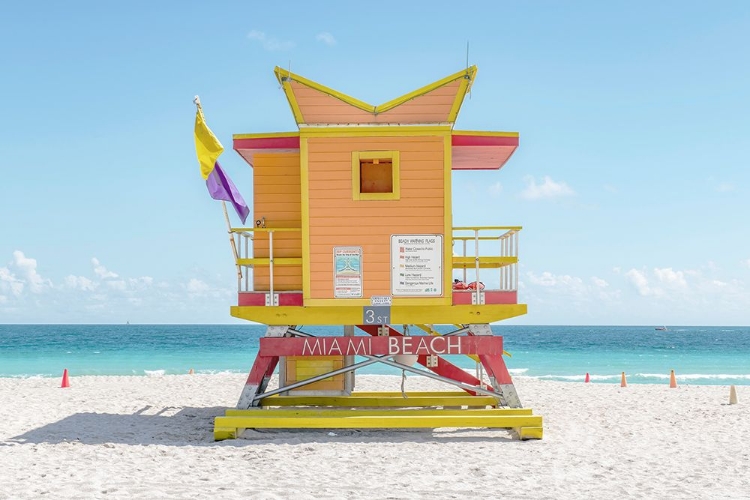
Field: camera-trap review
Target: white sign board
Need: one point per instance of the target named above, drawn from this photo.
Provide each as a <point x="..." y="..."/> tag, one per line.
<point x="417" y="265"/>
<point x="381" y="300"/>
<point x="347" y="272"/>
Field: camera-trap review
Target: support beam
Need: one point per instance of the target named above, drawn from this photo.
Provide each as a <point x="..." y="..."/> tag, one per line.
<point x="444" y="368"/>
<point x="496" y="369"/>
<point x="261" y="372"/>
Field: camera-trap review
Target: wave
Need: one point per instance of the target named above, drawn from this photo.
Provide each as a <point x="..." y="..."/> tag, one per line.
<point x="154" y="373"/>
<point x="218" y="372"/>
<point x="697" y="376"/>
<point x="574" y="378"/>
<point x="692" y="377"/>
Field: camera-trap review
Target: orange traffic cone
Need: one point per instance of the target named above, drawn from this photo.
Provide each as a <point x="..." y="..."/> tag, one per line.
<point x="191" y="372"/>
<point x="623" y="382"/>
<point x="672" y="381"/>
<point x="65" y="381"/>
<point x="588" y="379"/>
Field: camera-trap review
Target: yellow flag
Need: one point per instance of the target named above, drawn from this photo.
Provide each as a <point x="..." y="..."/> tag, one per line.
<point x="207" y="146"/>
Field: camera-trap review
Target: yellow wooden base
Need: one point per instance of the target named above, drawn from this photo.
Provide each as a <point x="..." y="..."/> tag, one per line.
<point x="400" y="314"/>
<point x="359" y="412"/>
<point x="385" y="399"/>
<point x="525" y="433"/>
<point x="387" y="410"/>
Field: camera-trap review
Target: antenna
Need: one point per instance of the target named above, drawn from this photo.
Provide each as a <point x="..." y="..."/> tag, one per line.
<point x="467" y="65"/>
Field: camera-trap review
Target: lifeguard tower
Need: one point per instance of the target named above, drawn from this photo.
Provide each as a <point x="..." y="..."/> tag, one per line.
<point x="353" y="227"/>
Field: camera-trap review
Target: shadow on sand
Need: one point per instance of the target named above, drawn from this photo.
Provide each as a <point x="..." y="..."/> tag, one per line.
<point x="187" y="426"/>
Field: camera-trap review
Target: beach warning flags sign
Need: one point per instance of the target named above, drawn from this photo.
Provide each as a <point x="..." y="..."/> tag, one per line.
<point x="65" y="381"/>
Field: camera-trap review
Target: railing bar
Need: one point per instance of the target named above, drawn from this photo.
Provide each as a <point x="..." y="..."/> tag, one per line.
<point x="247" y="256"/>
<point x="270" y="267"/>
<point x="515" y="266"/>
<point x="464" y="256"/>
<point x="476" y="264"/>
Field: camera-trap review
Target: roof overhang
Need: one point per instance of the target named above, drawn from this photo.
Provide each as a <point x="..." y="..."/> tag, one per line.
<point x="481" y="150"/>
<point x="248" y="145"/>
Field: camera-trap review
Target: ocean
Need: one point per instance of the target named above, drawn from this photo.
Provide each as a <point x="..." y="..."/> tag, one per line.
<point x="699" y="355"/>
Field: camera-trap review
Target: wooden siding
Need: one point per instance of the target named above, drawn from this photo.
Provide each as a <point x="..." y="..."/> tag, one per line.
<point x="432" y="107"/>
<point x="276" y="196"/>
<point x="338" y="220"/>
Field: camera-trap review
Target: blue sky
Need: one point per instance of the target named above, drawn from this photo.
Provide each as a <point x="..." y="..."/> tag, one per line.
<point x="631" y="181"/>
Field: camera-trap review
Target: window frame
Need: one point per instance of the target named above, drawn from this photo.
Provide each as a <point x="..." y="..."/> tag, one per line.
<point x="357" y="157"/>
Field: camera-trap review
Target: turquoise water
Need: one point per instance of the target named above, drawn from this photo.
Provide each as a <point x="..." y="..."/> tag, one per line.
<point x="699" y="355"/>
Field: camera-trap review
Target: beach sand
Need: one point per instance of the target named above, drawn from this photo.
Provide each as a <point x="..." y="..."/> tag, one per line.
<point x="151" y="437"/>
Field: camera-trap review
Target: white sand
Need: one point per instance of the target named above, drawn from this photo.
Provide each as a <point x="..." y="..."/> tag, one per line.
<point x="151" y="437"/>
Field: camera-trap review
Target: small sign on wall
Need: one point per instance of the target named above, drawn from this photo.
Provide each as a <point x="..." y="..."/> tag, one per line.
<point x="417" y="265"/>
<point x="347" y="272"/>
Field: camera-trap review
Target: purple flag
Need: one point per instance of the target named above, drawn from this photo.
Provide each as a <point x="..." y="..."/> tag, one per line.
<point x="221" y="187"/>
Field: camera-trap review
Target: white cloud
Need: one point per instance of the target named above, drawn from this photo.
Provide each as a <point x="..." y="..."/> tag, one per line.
<point x="495" y="189"/>
<point x="105" y="297"/>
<point x="599" y="282"/>
<point x="686" y="286"/>
<point x="640" y="281"/>
<point x="326" y="38"/>
<point x="101" y="271"/>
<point x="670" y="278"/>
<point x="196" y="286"/>
<point x="80" y="283"/>
<point x="9" y="282"/>
<point x="117" y="285"/>
<point x="565" y="298"/>
<point x="546" y="190"/>
<point x="725" y="187"/>
<point x="140" y="283"/>
<point x="270" y="44"/>
<point x="745" y="263"/>
<point x="27" y="269"/>
<point x="549" y="279"/>
<point x="567" y="287"/>
<point x="21" y="275"/>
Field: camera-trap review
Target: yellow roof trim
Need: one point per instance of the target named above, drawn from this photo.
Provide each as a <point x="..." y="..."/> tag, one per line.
<point x="292" y="101"/>
<point x="285" y="77"/>
<point x="462" y="89"/>
<point x="484" y="133"/>
<point x="467" y="74"/>
<point x="263" y="135"/>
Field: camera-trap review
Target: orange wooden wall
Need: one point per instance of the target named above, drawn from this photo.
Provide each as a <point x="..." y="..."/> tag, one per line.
<point x="276" y="196"/>
<point x="337" y="220"/>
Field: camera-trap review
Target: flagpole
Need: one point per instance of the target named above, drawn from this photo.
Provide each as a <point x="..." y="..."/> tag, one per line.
<point x="232" y="243"/>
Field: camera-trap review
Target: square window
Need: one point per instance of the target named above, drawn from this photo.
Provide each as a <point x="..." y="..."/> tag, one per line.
<point x="375" y="175"/>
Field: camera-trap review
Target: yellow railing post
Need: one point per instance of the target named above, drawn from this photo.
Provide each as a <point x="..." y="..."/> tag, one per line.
<point x="270" y="268"/>
<point x="476" y="266"/>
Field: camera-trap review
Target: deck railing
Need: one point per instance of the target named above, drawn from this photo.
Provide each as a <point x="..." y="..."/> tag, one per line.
<point x="505" y="258"/>
<point x="482" y="247"/>
<point x="242" y="244"/>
